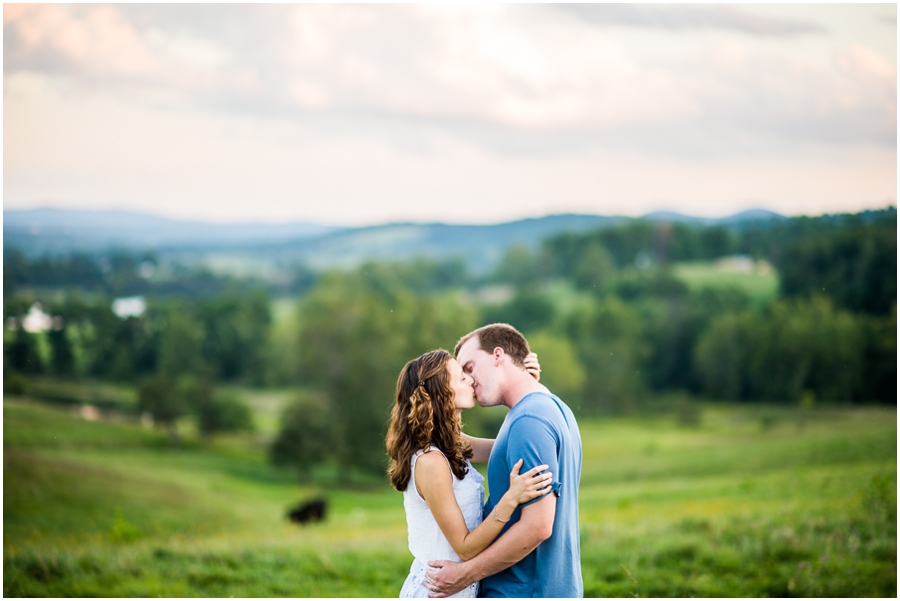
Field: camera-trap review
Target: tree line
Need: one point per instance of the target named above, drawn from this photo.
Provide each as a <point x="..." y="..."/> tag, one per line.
<point x="636" y="329"/>
<point x="850" y="258"/>
<point x="174" y="352"/>
<point x="612" y="323"/>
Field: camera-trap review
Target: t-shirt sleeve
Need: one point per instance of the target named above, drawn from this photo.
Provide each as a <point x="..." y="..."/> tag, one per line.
<point x="533" y="439"/>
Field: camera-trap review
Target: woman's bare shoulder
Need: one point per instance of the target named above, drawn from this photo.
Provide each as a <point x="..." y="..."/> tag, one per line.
<point x="432" y="462"/>
<point x="432" y="457"/>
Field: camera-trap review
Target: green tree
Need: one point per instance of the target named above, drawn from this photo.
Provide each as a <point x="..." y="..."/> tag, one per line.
<point x="807" y="345"/>
<point x="607" y="336"/>
<point x="158" y="397"/>
<point x="350" y="350"/>
<point x="715" y="241"/>
<point x="633" y="284"/>
<point x="879" y="358"/>
<point x="672" y="328"/>
<point x="180" y="345"/>
<point x="100" y="335"/>
<point x="192" y="392"/>
<point x="685" y="243"/>
<point x="222" y="412"/>
<point x="426" y="276"/>
<point x="22" y="354"/>
<point x="593" y="269"/>
<point x="855" y="266"/>
<point x="528" y="311"/>
<point x="235" y="329"/>
<point x="280" y="350"/>
<point x="626" y="242"/>
<point x="721" y="355"/>
<point x="307" y="434"/>
<point x="62" y="357"/>
<point x="561" y="368"/>
<point x="357" y="331"/>
<point x="795" y="347"/>
<point x="519" y="266"/>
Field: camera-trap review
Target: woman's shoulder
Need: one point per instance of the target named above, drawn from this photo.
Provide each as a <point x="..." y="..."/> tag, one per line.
<point x="432" y="470"/>
<point x="432" y="458"/>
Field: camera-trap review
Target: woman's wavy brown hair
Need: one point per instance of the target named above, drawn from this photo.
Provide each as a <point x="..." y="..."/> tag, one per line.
<point x="424" y="414"/>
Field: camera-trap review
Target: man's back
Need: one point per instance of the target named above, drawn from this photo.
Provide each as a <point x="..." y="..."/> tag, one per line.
<point x="540" y="429"/>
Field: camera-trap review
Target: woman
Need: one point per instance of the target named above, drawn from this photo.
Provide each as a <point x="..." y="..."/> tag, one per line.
<point x="443" y="495"/>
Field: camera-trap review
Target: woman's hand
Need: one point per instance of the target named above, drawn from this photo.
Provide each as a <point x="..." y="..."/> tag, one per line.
<point x="530" y="485"/>
<point x="532" y="366"/>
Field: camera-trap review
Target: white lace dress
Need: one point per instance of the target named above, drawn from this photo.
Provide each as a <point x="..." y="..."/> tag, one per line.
<point x="426" y="541"/>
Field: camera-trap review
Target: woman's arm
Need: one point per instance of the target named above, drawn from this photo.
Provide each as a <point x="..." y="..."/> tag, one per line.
<point x="481" y="448"/>
<point x="533" y="366"/>
<point x="434" y="481"/>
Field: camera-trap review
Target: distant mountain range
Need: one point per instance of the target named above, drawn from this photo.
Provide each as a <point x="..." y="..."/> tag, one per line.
<point x="749" y="216"/>
<point x="58" y="231"/>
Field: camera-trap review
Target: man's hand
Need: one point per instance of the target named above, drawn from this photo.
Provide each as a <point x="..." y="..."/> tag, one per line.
<point x="448" y="579"/>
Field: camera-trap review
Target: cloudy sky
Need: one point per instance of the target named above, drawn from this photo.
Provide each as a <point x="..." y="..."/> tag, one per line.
<point x="359" y="114"/>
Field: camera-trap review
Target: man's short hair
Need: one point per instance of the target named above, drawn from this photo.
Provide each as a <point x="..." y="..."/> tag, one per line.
<point x="503" y="335"/>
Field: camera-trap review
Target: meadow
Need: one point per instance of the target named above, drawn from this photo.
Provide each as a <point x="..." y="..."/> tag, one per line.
<point x="759" y="281"/>
<point x="734" y="501"/>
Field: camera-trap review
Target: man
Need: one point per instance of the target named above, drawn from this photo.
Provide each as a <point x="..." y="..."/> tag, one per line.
<point x="538" y="553"/>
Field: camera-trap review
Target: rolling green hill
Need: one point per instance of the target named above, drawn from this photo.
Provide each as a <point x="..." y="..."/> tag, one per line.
<point x="750" y="501"/>
<point x="58" y="232"/>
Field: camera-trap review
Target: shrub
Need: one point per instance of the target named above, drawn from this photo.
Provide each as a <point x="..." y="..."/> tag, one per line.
<point x="223" y="412"/>
<point x="307" y="434"/>
<point x="14" y="384"/>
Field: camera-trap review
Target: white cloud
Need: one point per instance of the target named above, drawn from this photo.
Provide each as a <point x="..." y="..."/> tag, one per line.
<point x="96" y="40"/>
<point x="204" y="55"/>
<point x="684" y="17"/>
<point x="525" y="68"/>
<point x="359" y="110"/>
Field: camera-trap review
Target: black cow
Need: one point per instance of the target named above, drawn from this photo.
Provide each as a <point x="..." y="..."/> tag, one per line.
<point x="309" y="511"/>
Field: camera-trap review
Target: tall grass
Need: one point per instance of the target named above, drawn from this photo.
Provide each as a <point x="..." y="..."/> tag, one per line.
<point x="746" y="502"/>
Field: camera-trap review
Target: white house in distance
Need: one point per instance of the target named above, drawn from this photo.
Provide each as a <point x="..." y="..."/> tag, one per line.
<point x="129" y="306"/>
<point x="38" y="321"/>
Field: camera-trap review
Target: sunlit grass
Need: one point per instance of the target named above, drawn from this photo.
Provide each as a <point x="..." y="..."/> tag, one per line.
<point x="266" y="406"/>
<point x="752" y="501"/>
<point x="761" y="283"/>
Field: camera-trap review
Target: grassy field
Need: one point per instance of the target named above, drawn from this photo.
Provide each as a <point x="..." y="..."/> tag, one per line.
<point x="760" y="282"/>
<point x="752" y="501"/>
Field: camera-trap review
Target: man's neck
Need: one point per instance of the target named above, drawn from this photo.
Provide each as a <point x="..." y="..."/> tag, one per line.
<point x="520" y="387"/>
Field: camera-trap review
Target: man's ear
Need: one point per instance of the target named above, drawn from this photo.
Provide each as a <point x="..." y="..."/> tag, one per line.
<point x="498" y="355"/>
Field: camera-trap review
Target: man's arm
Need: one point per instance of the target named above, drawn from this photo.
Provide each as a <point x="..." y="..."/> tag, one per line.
<point x="534" y="527"/>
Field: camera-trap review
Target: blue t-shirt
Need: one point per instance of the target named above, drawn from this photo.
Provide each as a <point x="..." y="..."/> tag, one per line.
<point x="540" y="429"/>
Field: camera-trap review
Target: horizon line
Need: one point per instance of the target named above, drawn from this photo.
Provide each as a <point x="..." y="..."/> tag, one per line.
<point x="283" y="223"/>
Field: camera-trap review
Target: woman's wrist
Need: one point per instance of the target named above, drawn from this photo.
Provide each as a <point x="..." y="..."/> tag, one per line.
<point x="505" y="508"/>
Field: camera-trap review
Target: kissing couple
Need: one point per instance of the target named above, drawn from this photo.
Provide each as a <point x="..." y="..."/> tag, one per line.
<point x="522" y="542"/>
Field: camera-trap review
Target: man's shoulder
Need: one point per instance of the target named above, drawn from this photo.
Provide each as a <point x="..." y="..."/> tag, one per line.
<point x="544" y="410"/>
<point x="536" y="408"/>
<point x="541" y="404"/>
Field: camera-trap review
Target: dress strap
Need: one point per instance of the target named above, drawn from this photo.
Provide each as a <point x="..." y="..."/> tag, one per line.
<point x="421" y="452"/>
